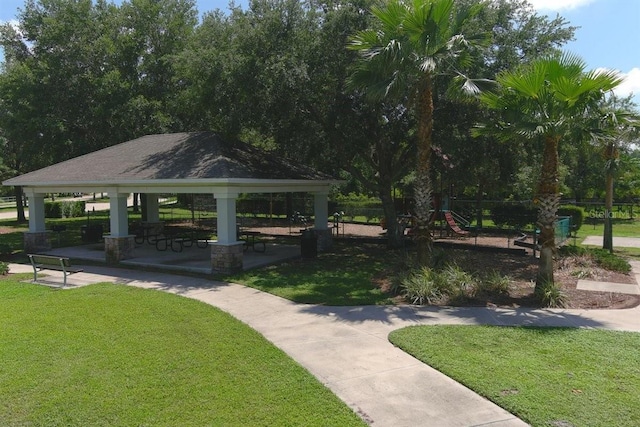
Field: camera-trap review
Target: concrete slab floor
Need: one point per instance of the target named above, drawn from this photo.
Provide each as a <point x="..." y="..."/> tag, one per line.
<point x="190" y="259"/>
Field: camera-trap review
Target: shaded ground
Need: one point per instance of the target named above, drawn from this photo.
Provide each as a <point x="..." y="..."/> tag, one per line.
<point x="521" y="269"/>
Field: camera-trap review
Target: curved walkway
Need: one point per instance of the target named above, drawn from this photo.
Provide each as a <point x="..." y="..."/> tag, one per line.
<point x="347" y="349"/>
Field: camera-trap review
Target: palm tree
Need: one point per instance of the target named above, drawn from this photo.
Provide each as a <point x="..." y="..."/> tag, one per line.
<point x="412" y="41"/>
<point x="548" y="99"/>
<point x="620" y="126"/>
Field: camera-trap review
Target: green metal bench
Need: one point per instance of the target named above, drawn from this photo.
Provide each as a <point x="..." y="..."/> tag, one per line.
<point x="48" y="262"/>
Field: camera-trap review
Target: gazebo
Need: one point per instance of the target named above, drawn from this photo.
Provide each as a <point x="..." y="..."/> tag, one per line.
<point x="194" y="163"/>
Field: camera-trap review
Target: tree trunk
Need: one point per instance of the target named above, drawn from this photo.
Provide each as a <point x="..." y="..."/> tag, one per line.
<point x="422" y="188"/>
<point x="136" y="206"/>
<point x="17" y="191"/>
<point x="394" y="232"/>
<point x="548" y="201"/>
<point x="607" y="238"/>
<point x="143" y="207"/>
<point x="479" y="206"/>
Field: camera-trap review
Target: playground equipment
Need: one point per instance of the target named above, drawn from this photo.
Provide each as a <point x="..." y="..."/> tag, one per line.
<point x="453" y="225"/>
<point x="562" y="231"/>
<point x="338" y="223"/>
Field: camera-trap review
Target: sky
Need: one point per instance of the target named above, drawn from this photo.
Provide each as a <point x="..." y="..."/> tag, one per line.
<point x="608" y="35"/>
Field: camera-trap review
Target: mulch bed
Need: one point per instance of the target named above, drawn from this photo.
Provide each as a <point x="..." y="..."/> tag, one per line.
<point x="522" y="271"/>
<point x="475" y="254"/>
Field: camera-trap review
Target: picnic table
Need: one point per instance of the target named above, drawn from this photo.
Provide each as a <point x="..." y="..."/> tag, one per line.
<point x="144" y="232"/>
<point x="178" y="238"/>
<point x="250" y="239"/>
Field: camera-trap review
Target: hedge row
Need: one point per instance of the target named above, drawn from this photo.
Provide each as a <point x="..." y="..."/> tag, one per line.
<point x="522" y="216"/>
<point x="513" y="215"/>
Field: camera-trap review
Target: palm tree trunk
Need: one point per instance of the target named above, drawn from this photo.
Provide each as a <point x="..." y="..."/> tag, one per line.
<point x="548" y="201"/>
<point x="422" y="189"/>
<point x="607" y="238"/>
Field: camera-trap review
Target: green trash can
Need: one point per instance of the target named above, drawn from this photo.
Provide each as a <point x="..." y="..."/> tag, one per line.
<point x="308" y="244"/>
<point x="91" y="233"/>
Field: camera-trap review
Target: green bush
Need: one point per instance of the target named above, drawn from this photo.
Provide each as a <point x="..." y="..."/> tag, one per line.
<point x="458" y="282"/>
<point x="493" y="283"/>
<point x="5" y="249"/>
<point x="575" y="212"/>
<point x="428" y="286"/>
<point x="424" y="286"/>
<point x="602" y="257"/>
<point x="609" y="261"/>
<point x="4" y="268"/>
<point x="52" y="210"/>
<point x="354" y="205"/>
<point x="513" y="215"/>
<point x="73" y="209"/>
<point x="551" y="295"/>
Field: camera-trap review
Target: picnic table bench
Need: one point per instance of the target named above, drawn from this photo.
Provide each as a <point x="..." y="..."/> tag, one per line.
<point x="48" y="262"/>
<point x="177" y="238"/>
<point x="144" y="232"/>
<point x="250" y="241"/>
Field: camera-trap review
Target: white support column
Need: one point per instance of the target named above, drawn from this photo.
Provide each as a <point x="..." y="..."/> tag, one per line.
<point x="37" y="238"/>
<point x="321" y="210"/>
<point x="226" y="209"/>
<point x="119" y="244"/>
<point x="152" y="208"/>
<point x="36" y="212"/>
<point x="226" y="253"/>
<point x="118" y="215"/>
<point x="321" y="221"/>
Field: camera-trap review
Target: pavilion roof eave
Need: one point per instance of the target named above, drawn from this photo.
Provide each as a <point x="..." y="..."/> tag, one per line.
<point x="213" y="185"/>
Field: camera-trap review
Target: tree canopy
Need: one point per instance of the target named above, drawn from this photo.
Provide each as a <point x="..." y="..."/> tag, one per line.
<point x="80" y="75"/>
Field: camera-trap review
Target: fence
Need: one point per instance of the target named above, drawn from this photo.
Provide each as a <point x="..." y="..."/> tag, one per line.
<point x="562" y="229"/>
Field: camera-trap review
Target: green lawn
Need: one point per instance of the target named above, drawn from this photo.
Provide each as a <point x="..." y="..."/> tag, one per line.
<point x="621" y="228"/>
<point x="341" y="277"/>
<point x="112" y="355"/>
<point x="546" y="376"/>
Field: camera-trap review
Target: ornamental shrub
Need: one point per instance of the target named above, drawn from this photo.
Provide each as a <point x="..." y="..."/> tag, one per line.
<point x="52" y="210"/>
<point x="575" y="212"/>
<point x="73" y="209"/>
<point x="609" y="261"/>
<point x="513" y="215"/>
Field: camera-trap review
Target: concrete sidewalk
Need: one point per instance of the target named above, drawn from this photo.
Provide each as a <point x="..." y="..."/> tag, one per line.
<point x="618" y="242"/>
<point x="347" y="348"/>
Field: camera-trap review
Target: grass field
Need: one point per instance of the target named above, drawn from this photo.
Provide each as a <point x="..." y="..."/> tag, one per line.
<point x="546" y="376"/>
<point x="111" y="355"/>
<point x="340" y="277"/>
<point x="621" y="228"/>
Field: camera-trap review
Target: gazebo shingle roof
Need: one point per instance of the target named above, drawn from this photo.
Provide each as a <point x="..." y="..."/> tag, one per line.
<point x="177" y="156"/>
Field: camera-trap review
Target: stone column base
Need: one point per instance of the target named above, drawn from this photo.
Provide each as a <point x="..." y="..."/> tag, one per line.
<point x="36" y="241"/>
<point x="226" y="259"/>
<point x="325" y="239"/>
<point x="118" y="248"/>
